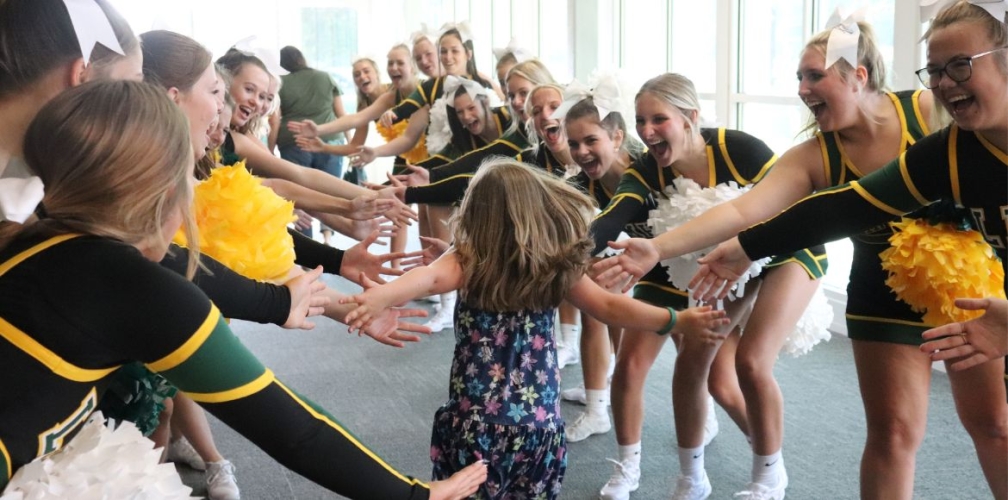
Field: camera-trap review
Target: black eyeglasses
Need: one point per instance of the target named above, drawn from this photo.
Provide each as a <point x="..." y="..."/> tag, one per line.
<point x="958" y="70"/>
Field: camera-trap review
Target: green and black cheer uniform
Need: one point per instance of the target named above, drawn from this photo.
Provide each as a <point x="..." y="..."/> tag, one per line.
<point x="952" y="164"/>
<point x="448" y="183"/>
<point x="462" y="141"/>
<point x="731" y="156"/>
<point x="542" y="157"/>
<point x="873" y="310"/>
<point x="74" y="309"/>
<point x="594" y="188"/>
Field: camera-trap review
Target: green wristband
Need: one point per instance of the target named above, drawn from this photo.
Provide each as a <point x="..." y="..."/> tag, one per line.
<point x="671" y="322"/>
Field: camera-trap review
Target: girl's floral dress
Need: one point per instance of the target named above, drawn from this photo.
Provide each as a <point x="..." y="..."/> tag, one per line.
<point x="503" y="405"/>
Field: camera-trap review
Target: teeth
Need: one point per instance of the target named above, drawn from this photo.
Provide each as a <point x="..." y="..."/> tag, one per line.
<point x="957" y="98"/>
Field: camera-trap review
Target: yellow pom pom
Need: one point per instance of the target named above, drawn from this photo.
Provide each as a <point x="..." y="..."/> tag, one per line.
<point x="930" y="266"/>
<point x="243" y="224"/>
<point x="413" y="156"/>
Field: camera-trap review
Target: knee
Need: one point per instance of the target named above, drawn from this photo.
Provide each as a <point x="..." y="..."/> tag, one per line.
<point x="752" y="371"/>
<point x="895" y="434"/>
<point x="630" y="372"/>
<point x="166" y="413"/>
<point x="987" y="426"/>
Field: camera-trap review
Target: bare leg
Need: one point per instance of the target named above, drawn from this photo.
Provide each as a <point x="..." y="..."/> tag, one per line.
<point x="785" y="293"/>
<point x="595" y="350"/>
<point x="894" y="380"/>
<point x="637" y="352"/>
<point x="161" y="435"/>
<point x="723" y="383"/>
<point x="189" y="420"/>
<point x="690" y="378"/>
<point x="979" y="395"/>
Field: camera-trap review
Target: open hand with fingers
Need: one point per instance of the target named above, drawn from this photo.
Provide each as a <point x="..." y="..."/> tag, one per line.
<point x="306" y="299"/>
<point x="362" y="157"/>
<point x="304" y="128"/>
<point x="380" y="321"/>
<point x="358" y="261"/>
<point x="310" y="144"/>
<point x="719" y="271"/>
<point x="702" y="322"/>
<point x="432" y="249"/>
<point x="418" y="176"/>
<point x="462" y="484"/>
<point x="624" y="270"/>
<point x="976" y="341"/>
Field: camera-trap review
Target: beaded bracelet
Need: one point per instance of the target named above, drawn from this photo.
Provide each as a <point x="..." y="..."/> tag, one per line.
<point x="671" y="322"/>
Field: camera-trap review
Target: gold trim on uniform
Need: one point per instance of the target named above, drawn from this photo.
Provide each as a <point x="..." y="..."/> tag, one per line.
<point x="260" y="383"/>
<point x="190" y="346"/>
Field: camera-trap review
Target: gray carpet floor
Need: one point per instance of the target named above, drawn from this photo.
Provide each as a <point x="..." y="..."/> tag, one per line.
<point x="388" y="396"/>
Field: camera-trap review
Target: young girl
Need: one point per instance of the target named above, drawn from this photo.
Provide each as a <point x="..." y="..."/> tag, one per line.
<point x="521" y="246"/>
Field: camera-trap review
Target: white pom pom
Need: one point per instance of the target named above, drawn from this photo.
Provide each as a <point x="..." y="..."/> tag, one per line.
<point x="687" y="200"/>
<point x="100" y="462"/>
<point x="812" y="327"/>
<point x="438" y="131"/>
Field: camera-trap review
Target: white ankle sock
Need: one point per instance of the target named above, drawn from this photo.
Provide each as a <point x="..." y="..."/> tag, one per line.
<point x="691" y="461"/>
<point x="570" y="335"/>
<point x="597" y="400"/>
<point x="448" y="301"/>
<point x="765" y="468"/>
<point x="631" y="453"/>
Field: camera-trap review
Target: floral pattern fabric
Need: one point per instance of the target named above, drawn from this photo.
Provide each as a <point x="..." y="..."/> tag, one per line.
<point x="504" y="404"/>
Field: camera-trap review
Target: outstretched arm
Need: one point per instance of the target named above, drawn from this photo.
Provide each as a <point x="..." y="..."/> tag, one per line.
<point x="364" y="207"/>
<point x="795" y="175"/>
<point x="443" y="275"/>
<point x="308" y="128"/>
<point x="405" y="142"/>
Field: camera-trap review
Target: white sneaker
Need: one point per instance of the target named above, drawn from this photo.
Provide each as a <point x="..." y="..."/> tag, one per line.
<point x="568" y="355"/>
<point x="180" y="451"/>
<point x="441" y="320"/>
<point x="588" y="424"/>
<point x="760" y="491"/>
<point x="220" y="479"/>
<point x="710" y="427"/>
<point x="625" y="478"/>
<point x="686" y="488"/>
<point x="575" y="394"/>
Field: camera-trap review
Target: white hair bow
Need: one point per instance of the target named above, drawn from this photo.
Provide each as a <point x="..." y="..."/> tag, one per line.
<point x="606" y="95"/>
<point x="514" y="48"/>
<point x="19" y="197"/>
<point x="462" y="27"/>
<point x="452" y="83"/>
<point x="91" y="26"/>
<point x="843" y="38"/>
<point x="270" y="58"/>
<point x="930" y="8"/>
<point x="422" y="33"/>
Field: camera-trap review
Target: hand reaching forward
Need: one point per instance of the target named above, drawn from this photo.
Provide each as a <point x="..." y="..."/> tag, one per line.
<point x="306" y="299"/>
<point x="358" y="261"/>
<point x="719" y="270"/>
<point x="371" y="205"/>
<point x="387" y="118"/>
<point x="433" y="248"/>
<point x="362" y="157"/>
<point x="418" y="176"/>
<point x="462" y="484"/>
<point x="975" y="341"/>
<point x="703" y="323"/>
<point x="310" y="144"/>
<point x="626" y="269"/>
<point x="304" y="128"/>
<point x="380" y="321"/>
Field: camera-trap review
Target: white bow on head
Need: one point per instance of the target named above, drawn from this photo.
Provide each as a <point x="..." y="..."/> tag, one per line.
<point x="843" y="38"/>
<point x="606" y="96"/>
<point x="423" y="33"/>
<point x="930" y="8"/>
<point x="91" y="26"/>
<point x="19" y="197"/>
<point x="514" y="48"/>
<point x="270" y="58"/>
<point x="462" y="27"/>
<point x="452" y="83"/>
